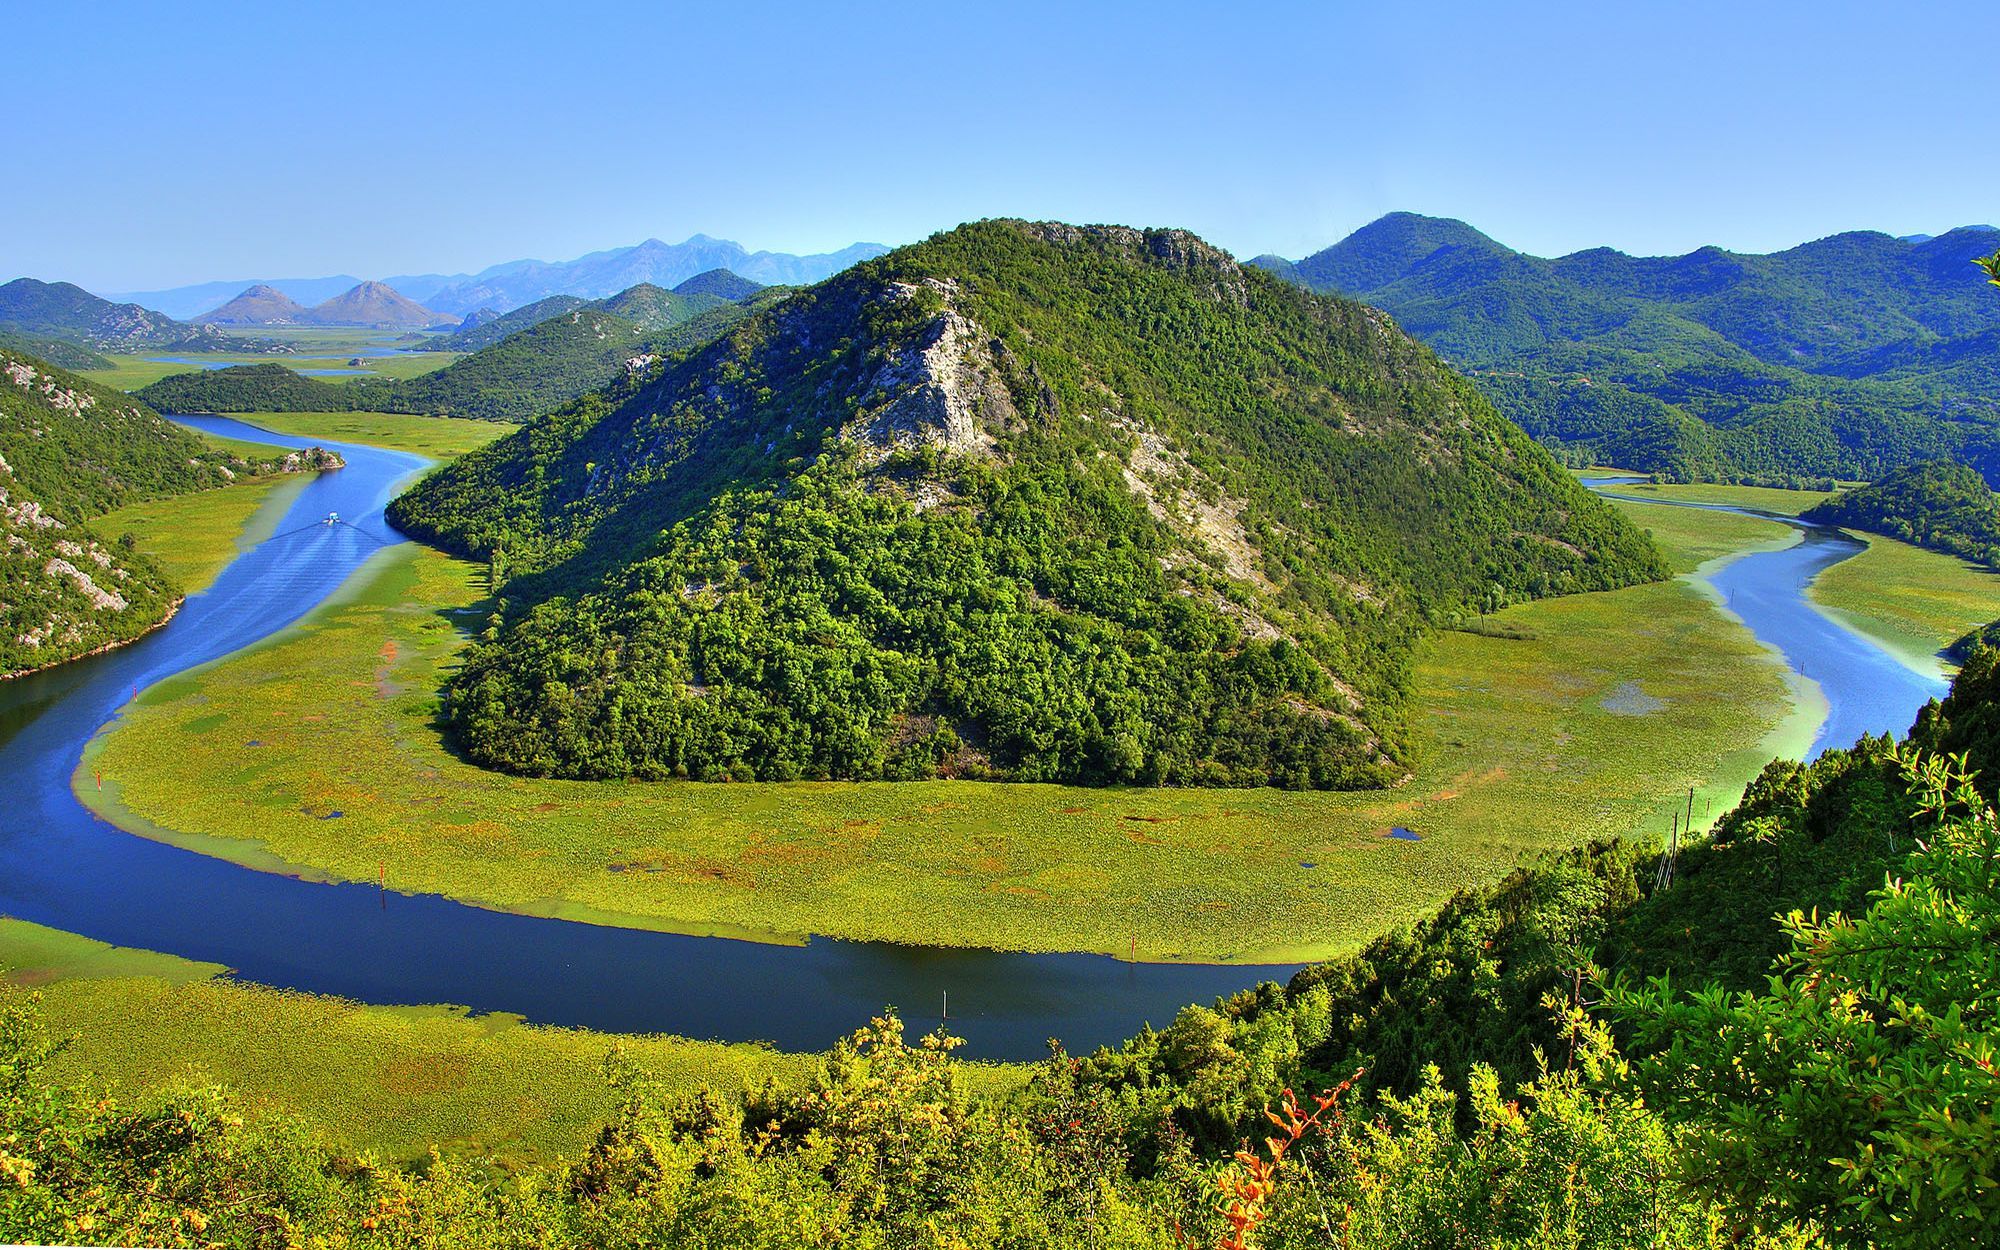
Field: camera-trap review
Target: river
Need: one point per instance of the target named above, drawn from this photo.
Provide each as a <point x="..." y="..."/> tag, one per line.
<point x="1867" y="689"/>
<point x="62" y="866"/>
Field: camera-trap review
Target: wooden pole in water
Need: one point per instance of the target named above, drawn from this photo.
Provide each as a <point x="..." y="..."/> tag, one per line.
<point x="947" y="1006"/>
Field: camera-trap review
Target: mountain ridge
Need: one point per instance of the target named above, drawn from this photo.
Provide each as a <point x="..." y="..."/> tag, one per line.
<point x="1841" y="357"/>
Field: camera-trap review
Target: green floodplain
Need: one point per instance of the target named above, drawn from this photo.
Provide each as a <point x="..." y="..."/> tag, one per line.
<point x="1529" y="746"/>
<point x="309" y="348"/>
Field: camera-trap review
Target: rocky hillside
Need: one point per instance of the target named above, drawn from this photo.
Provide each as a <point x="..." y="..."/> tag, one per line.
<point x="70" y="314"/>
<point x="69" y="451"/>
<point x="1025" y="500"/>
<point x="258" y="305"/>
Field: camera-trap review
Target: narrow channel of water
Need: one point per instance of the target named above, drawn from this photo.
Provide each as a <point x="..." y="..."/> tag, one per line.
<point x="1868" y="690"/>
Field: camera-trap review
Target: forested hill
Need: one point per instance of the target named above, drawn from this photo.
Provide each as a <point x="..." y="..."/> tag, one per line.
<point x="522" y="370"/>
<point x="1846" y="357"/>
<point x="70" y="450"/>
<point x="1024" y="500"/>
<point x="69" y="314"/>
<point x="491" y="330"/>
<point x="1941" y="505"/>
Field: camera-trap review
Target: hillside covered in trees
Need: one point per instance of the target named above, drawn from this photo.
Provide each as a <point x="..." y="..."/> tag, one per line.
<point x="69" y="451"/>
<point x="1025" y="501"/>
<point x="1938" y="504"/>
<point x="62" y="312"/>
<point x="1840" y="359"/>
<point x="522" y="370"/>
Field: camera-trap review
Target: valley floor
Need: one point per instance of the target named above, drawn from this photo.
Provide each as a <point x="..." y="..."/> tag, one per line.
<point x="1534" y="741"/>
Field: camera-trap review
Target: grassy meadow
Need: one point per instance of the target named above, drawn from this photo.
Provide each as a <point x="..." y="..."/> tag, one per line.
<point x="394" y="1080"/>
<point x="439" y="438"/>
<point x="194" y="536"/>
<point x="1914" y="602"/>
<point x="1532" y="742"/>
<point x="131" y="371"/>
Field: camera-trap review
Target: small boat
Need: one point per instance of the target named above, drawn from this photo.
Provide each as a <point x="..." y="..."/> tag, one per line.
<point x="333" y="518"/>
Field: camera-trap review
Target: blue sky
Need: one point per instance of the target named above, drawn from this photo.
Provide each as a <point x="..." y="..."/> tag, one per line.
<point x="160" y="144"/>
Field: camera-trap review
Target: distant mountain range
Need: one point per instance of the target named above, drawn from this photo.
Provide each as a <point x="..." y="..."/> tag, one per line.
<point x="512" y="284"/>
<point x="1845" y="357"/>
<point x="520" y="364"/>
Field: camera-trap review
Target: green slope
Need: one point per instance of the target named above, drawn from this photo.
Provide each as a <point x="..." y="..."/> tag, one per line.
<point x="69" y="451"/>
<point x="1028" y="501"/>
<point x="1940" y="505"/>
<point x="1843" y="358"/>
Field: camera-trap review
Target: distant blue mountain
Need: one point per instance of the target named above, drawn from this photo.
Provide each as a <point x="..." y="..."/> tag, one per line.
<point x="601" y="274"/>
<point x="512" y="284"/>
<point x="188" y="302"/>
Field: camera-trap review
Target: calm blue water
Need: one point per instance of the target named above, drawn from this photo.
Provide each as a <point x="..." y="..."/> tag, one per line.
<point x="1868" y="690"/>
<point x="61" y="866"/>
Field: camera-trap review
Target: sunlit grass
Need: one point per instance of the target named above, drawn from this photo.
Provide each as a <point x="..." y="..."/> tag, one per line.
<point x="440" y="438"/>
<point x="1762" y="498"/>
<point x="1914" y="602"/>
<point x="393" y="1080"/>
<point x="193" y="537"/>
<point x="131" y="372"/>
<point x="1520" y="754"/>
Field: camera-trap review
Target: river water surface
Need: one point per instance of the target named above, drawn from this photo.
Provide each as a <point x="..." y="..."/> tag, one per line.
<point x="62" y="866"/>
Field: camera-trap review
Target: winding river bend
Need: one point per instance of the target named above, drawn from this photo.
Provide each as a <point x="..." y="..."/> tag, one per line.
<point x="62" y="866"/>
<point x="1867" y="689"/>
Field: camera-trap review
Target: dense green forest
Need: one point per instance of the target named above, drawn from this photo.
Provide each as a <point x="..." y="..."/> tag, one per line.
<point x="1742" y="1052"/>
<point x="720" y="284"/>
<point x="524" y="372"/>
<point x="1840" y="359"/>
<point x="1940" y="505"/>
<point x="487" y="332"/>
<point x="69" y="451"/>
<point x="1023" y="501"/>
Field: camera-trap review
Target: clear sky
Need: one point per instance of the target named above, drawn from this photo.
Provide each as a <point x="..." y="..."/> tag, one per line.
<point x="157" y="144"/>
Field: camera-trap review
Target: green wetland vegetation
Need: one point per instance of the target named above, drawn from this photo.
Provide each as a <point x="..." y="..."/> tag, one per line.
<point x="1521" y="754"/>
<point x="1516" y="1069"/>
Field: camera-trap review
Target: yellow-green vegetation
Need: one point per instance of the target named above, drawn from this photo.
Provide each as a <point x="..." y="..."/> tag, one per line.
<point x="1692" y="537"/>
<point x="1563" y="720"/>
<point x="1914" y="602"/>
<point x="393" y="1080"/>
<point x="194" y="536"/>
<point x="440" y="438"/>
<point x="132" y="372"/>
<point x="1762" y="498"/>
